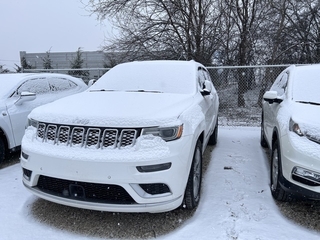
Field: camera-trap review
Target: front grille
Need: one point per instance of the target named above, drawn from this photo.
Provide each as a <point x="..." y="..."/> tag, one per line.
<point x="92" y="137"/>
<point x="84" y="191"/>
<point x="155" y="188"/>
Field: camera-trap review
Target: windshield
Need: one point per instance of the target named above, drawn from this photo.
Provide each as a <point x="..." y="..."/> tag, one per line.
<point x="306" y="85"/>
<point x="153" y="76"/>
<point x="8" y="82"/>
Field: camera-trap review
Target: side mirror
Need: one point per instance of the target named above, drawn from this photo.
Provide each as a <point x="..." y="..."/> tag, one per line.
<point x="91" y="82"/>
<point x="207" y="88"/>
<point x="272" y="97"/>
<point x="24" y="97"/>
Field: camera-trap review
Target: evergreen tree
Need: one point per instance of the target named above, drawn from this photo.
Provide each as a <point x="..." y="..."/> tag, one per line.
<point x="77" y="63"/>
<point x="47" y="61"/>
<point x="24" y="64"/>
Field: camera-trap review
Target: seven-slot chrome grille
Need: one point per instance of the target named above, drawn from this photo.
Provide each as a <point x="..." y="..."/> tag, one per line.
<point x="93" y="137"/>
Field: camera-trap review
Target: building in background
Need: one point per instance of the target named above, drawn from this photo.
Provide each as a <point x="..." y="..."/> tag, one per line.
<point x="96" y="61"/>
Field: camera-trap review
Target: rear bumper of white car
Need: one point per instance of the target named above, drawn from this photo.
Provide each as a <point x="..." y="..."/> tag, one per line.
<point x="108" y="180"/>
<point x="300" y="166"/>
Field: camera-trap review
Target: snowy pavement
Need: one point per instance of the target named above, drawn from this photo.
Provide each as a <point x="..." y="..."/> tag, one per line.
<point x="236" y="202"/>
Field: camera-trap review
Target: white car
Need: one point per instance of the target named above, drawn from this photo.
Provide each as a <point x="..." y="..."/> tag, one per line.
<point x="291" y="129"/>
<point x="132" y="142"/>
<point x="22" y="92"/>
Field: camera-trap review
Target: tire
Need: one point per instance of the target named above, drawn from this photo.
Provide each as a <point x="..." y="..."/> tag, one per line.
<point x="263" y="141"/>
<point x="277" y="191"/>
<point x="2" y="151"/>
<point x="214" y="137"/>
<point x="193" y="188"/>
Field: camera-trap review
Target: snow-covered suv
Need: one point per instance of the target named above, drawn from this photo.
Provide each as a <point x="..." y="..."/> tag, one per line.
<point x="22" y="92"/>
<point x="133" y="142"/>
<point x="290" y="128"/>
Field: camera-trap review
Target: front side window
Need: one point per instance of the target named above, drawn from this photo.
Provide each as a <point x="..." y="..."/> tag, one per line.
<point x="280" y="84"/>
<point x="36" y="85"/>
<point x="201" y="79"/>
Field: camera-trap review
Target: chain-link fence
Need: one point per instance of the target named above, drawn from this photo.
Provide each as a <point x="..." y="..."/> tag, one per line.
<point x="240" y="89"/>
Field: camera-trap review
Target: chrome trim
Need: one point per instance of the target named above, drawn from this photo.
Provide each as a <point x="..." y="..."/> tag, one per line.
<point x="88" y="137"/>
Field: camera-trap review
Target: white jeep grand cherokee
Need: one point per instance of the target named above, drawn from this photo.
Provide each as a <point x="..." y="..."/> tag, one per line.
<point x="132" y="142"/>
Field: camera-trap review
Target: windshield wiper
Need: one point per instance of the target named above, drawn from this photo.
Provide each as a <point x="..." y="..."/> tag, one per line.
<point x="312" y="103"/>
<point x="101" y="90"/>
<point x="141" y="90"/>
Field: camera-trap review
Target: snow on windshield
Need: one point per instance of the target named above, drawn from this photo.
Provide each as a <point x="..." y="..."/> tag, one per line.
<point x="306" y="84"/>
<point x="8" y="82"/>
<point x="159" y="76"/>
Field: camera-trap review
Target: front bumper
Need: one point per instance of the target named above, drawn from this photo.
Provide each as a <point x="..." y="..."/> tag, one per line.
<point x="300" y="152"/>
<point x="84" y="168"/>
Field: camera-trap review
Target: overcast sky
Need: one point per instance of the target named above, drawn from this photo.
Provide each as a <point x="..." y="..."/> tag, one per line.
<point x="37" y="26"/>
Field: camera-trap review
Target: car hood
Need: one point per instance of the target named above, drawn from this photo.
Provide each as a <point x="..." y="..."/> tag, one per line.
<point x="115" y="109"/>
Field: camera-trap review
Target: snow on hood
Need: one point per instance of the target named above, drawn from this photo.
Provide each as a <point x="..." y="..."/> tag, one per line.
<point x="147" y="147"/>
<point x="115" y="109"/>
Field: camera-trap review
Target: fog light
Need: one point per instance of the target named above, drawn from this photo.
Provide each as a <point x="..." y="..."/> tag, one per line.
<point x="26" y="174"/>
<point x="24" y="155"/>
<point x="154" y="168"/>
<point x="306" y="174"/>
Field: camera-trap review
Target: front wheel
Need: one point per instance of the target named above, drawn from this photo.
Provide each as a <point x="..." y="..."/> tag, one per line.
<point x="2" y="151"/>
<point x="263" y="141"/>
<point x="193" y="189"/>
<point x="277" y="191"/>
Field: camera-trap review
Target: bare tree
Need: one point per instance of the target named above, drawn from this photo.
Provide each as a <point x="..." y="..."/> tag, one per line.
<point x="228" y="32"/>
<point x="303" y="32"/>
<point x="162" y="29"/>
<point x="246" y="18"/>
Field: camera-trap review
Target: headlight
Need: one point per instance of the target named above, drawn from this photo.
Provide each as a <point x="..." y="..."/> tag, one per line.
<point x="166" y="133"/>
<point x="32" y="122"/>
<point x="294" y="127"/>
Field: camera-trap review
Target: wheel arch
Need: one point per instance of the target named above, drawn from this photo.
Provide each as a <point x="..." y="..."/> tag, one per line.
<point x="275" y="136"/>
<point x="201" y="139"/>
<point x="4" y="139"/>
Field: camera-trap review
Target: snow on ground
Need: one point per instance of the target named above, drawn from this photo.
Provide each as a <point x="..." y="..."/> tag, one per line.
<point x="236" y="202"/>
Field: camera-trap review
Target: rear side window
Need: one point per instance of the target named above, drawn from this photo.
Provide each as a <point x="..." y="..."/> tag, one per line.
<point x="36" y="85"/>
<point x="60" y="84"/>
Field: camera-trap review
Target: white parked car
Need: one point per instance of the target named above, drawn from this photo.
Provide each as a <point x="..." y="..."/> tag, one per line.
<point x="132" y="142"/>
<point x="22" y="92"/>
<point x="291" y="128"/>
